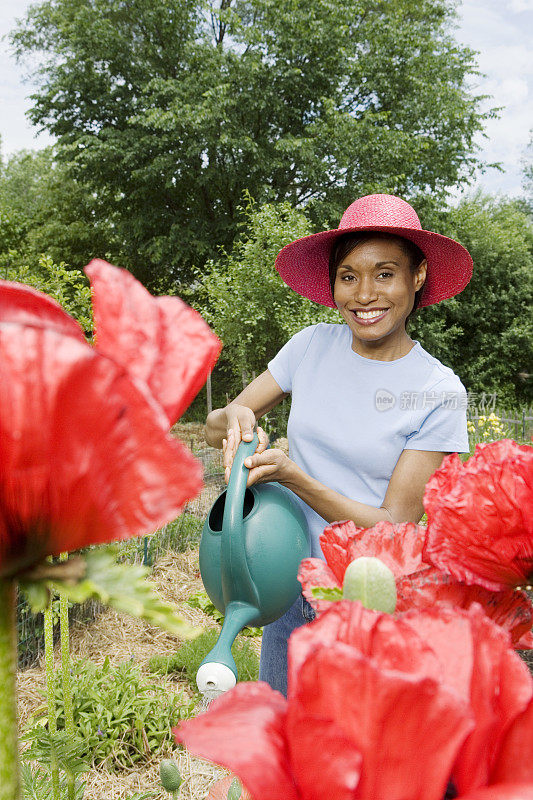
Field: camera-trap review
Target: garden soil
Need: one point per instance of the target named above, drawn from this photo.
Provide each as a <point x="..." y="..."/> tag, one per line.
<point x="119" y="638"/>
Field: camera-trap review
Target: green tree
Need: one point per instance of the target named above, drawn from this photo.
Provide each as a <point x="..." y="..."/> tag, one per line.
<point x="45" y="210"/>
<point x="486" y="333"/>
<point x="244" y="299"/>
<point x="167" y="110"/>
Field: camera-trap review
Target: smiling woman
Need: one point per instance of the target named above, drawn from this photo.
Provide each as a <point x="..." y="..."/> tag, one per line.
<point x="372" y="413"/>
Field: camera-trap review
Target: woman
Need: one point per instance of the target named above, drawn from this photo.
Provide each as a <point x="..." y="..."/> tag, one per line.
<point x="372" y="413"/>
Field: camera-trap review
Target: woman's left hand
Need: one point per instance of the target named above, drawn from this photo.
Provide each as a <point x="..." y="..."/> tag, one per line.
<point x="270" y="465"/>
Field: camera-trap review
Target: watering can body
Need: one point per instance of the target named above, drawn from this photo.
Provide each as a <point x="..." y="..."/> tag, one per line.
<point x="274" y="540"/>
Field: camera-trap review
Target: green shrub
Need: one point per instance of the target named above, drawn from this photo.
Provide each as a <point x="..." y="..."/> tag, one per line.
<point x="188" y="658"/>
<point x="122" y="718"/>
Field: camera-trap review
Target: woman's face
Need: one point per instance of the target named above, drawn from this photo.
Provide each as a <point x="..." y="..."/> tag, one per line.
<point x="375" y="289"/>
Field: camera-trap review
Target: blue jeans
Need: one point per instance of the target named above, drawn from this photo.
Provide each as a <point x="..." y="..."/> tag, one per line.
<point x="273" y="661"/>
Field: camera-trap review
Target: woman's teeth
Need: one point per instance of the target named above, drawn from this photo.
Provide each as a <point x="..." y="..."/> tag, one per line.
<point x="370" y="314"/>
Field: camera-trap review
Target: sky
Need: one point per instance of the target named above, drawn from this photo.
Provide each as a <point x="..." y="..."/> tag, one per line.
<point x="500" y="30"/>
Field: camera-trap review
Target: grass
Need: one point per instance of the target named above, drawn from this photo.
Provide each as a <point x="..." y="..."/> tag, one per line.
<point x="177" y="536"/>
<point x="186" y="661"/>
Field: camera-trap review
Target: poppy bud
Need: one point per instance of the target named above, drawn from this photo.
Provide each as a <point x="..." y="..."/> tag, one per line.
<point x="370" y="581"/>
<point x="170" y="775"/>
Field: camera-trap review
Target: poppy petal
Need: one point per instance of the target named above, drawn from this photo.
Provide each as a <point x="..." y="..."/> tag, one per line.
<point x="160" y="340"/>
<point x="510" y="609"/>
<point x="334" y="542"/>
<point x="398" y="545"/>
<point x="332" y="769"/>
<point x="515" y="757"/>
<point x="407" y="728"/>
<point x="502" y="791"/>
<point x="480" y="530"/>
<point x="85" y="452"/>
<point x="26" y="306"/>
<point x="315" y="572"/>
<point x="526" y="641"/>
<point x="478" y="662"/>
<point x="244" y="730"/>
<point x="442" y="482"/>
<point x="390" y="642"/>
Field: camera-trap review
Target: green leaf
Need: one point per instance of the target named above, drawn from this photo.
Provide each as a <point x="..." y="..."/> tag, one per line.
<point x="326" y="593"/>
<point x="235" y="790"/>
<point x="37" y="595"/>
<point x="121" y="586"/>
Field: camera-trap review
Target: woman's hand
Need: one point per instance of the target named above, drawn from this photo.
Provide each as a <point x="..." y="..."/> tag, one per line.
<point x="240" y="427"/>
<point x="269" y="465"/>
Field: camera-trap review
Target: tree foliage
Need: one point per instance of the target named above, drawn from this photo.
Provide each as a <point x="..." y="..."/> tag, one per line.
<point x="69" y="287"/>
<point x="243" y="297"/>
<point x="43" y="209"/>
<point x="486" y="333"/>
<point x="168" y="110"/>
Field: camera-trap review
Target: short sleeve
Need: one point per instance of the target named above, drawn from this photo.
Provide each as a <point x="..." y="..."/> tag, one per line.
<point x="442" y="426"/>
<point x="284" y="365"/>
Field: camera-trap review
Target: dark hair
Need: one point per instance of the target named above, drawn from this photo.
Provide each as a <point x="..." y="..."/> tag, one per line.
<point x="349" y="241"/>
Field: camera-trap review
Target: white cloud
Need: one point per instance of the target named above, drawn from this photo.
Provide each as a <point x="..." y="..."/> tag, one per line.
<point x="517" y="6"/>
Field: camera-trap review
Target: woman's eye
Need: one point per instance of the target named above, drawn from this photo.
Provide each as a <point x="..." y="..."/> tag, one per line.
<point x="386" y="274"/>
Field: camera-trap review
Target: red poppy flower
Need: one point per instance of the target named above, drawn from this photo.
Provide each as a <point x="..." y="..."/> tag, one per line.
<point x="84" y="447"/>
<point x="480" y="516"/>
<point x="502" y="791"/>
<point x="160" y="340"/>
<point x="399" y="546"/>
<point x="509" y="764"/>
<point x="380" y="708"/>
<point x="417" y="585"/>
<point x="367" y="716"/>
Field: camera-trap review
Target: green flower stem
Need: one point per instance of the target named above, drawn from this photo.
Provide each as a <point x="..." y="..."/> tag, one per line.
<point x="9" y="754"/>
<point x="66" y="680"/>
<point x="50" y="690"/>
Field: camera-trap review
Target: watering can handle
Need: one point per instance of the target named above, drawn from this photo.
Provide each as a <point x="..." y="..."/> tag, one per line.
<point x="237" y="583"/>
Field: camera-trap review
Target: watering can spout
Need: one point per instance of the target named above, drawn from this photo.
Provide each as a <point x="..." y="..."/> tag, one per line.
<point x="214" y="678"/>
<point x="218" y="671"/>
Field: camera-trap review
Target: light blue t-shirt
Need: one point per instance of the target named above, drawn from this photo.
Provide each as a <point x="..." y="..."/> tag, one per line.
<point x="351" y="417"/>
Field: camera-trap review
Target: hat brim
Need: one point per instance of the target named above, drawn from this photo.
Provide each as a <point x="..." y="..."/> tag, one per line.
<point x="304" y="263"/>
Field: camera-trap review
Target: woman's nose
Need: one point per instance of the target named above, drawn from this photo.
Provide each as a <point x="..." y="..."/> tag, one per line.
<point x="366" y="290"/>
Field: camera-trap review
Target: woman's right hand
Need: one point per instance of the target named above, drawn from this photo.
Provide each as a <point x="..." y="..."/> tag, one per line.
<point x="240" y="426"/>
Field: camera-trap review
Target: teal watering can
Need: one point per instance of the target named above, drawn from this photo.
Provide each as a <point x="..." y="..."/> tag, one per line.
<point x="252" y="543"/>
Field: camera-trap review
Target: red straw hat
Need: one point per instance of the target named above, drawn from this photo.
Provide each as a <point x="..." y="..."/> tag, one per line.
<point x="304" y="264"/>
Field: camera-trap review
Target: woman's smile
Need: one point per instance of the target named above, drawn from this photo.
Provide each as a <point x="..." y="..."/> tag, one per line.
<point x="369" y="317"/>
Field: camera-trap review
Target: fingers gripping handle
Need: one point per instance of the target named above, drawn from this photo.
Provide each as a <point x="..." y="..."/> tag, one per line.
<point x="237" y="584"/>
